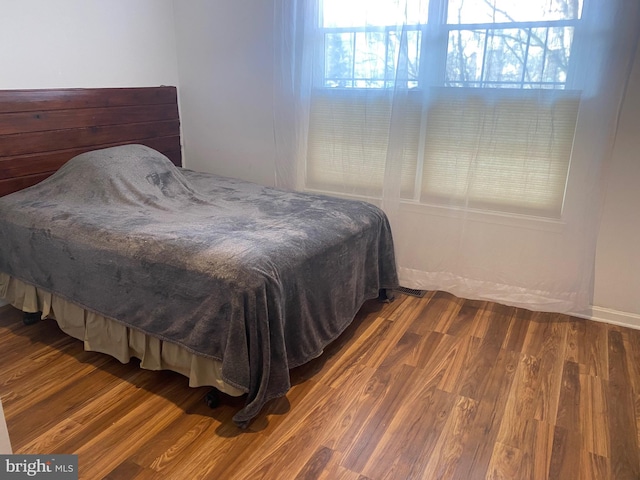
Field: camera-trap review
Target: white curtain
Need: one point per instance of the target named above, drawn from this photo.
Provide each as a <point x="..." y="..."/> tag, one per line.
<point x="483" y="128"/>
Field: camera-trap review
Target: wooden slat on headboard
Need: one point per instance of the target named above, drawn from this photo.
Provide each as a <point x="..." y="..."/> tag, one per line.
<point x="40" y="130"/>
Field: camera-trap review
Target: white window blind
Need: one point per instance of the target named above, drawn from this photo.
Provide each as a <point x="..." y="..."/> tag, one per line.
<point x="349" y="139"/>
<point x="499" y="149"/>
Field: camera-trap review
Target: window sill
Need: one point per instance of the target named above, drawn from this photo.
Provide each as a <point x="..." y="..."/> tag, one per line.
<point x="515" y="220"/>
<point x="485" y="216"/>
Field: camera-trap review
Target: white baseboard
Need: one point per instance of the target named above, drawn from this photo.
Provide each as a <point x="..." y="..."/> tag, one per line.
<point x="608" y="315"/>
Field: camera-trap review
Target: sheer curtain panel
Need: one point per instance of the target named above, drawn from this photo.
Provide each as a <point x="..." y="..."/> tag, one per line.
<point x="483" y="128"/>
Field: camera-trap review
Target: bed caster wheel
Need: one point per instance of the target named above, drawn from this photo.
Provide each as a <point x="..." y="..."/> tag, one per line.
<point x="212" y="399"/>
<point x="385" y="295"/>
<point x="30" y="318"/>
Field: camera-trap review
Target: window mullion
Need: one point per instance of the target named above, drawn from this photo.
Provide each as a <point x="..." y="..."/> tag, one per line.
<point x="433" y="59"/>
<point x="434" y="45"/>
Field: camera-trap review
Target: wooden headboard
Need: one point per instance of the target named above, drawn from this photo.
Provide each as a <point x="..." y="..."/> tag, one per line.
<point x="40" y="130"/>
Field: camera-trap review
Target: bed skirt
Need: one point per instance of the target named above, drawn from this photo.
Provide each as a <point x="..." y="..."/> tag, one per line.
<point x="101" y="334"/>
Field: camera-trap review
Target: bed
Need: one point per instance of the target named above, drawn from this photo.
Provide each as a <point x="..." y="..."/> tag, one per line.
<point x="230" y="283"/>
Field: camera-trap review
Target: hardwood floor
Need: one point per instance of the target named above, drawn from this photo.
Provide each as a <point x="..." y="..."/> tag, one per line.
<point x="431" y="388"/>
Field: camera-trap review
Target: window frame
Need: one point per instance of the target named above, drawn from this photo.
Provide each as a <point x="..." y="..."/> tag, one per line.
<point x="432" y="58"/>
<point x="432" y="62"/>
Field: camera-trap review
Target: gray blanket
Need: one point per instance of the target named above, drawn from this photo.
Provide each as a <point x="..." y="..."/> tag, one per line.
<point x="258" y="278"/>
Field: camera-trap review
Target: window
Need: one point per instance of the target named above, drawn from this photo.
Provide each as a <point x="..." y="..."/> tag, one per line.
<point x="487" y="86"/>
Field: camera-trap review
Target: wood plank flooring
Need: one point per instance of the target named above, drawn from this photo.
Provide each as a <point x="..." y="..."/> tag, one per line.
<point x="421" y="388"/>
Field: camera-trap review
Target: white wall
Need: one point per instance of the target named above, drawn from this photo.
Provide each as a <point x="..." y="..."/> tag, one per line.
<point x="617" y="279"/>
<point x="87" y="43"/>
<point x="225" y="56"/>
